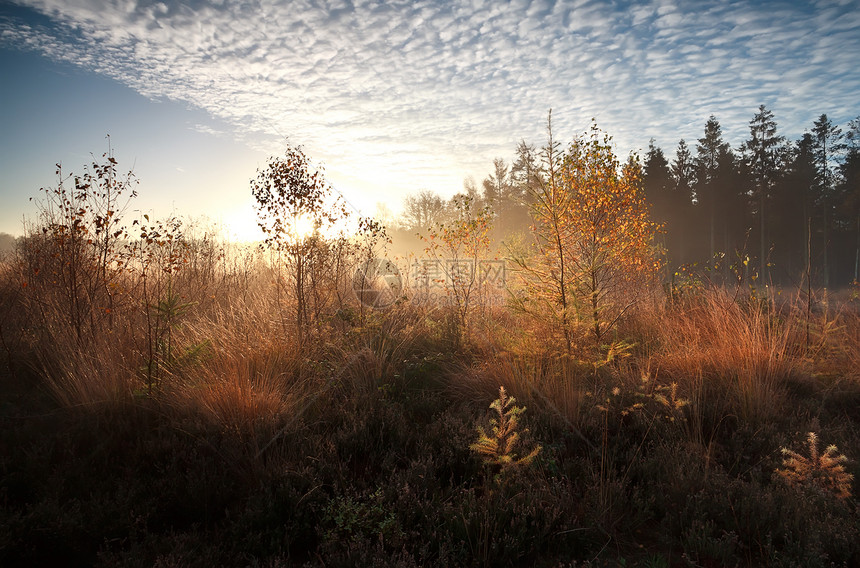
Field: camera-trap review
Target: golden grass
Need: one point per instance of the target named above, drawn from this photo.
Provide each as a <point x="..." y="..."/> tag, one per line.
<point x="717" y="342"/>
<point x="554" y="383"/>
<point x="101" y="373"/>
<point x="727" y="356"/>
<point x="240" y="394"/>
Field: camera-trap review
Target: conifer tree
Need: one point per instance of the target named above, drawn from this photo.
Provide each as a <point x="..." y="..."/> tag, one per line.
<point x="658" y="186"/>
<point x="794" y="210"/>
<point x="684" y="171"/>
<point x="684" y="178"/>
<point x="828" y="144"/>
<point x="850" y="172"/>
<point x="548" y="277"/>
<point x="712" y="152"/>
<point x="525" y="171"/>
<point x="763" y="159"/>
<point x="500" y="446"/>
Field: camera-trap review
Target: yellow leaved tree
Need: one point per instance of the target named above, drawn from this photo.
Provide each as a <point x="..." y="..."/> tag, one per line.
<point x="593" y="235"/>
<point x="610" y="232"/>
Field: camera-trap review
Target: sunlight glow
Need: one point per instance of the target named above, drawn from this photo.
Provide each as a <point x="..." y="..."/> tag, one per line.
<point x="302" y="228"/>
<point x="241" y="224"/>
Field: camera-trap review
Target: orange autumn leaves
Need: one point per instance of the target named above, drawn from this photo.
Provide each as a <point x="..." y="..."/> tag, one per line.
<point x="607" y="222"/>
<point x="594" y="235"/>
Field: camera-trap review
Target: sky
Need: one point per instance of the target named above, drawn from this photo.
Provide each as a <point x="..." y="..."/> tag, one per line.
<point x="390" y="97"/>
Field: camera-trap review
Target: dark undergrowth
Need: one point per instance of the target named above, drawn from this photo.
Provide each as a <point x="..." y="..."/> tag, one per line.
<point x="158" y="416"/>
<point x="376" y="470"/>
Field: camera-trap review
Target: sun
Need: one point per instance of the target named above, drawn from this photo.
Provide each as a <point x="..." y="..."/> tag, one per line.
<point x="302" y="227"/>
<point x="241" y="225"/>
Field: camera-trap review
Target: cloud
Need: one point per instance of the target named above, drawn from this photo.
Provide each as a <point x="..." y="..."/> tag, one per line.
<point x="418" y="94"/>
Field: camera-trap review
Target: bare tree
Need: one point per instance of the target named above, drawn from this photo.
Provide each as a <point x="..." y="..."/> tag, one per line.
<point x="422" y="210"/>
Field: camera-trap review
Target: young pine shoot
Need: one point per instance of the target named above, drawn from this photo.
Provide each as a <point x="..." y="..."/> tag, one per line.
<point x="497" y="449"/>
<point x="823" y="470"/>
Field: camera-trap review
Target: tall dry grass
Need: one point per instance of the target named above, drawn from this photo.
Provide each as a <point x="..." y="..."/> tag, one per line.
<point x="246" y="366"/>
<point x="102" y="373"/>
<point x="851" y="341"/>
<point x="86" y="353"/>
<point x="249" y="373"/>
<point x="556" y="384"/>
<point x="235" y="361"/>
<point x="731" y="358"/>
<point x="729" y="355"/>
<point x="230" y="347"/>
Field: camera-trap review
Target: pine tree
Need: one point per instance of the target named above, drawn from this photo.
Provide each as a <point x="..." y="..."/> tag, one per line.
<point x="850" y="173"/>
<point x="794" y="209"/>
<point x="658" y="184"/>
<point x="496" y="186"/>
<point x="684" y="177"/>
<point x="823" y="470"/>
<point x="763" y="155"/>
<point x="712" y="153"/>
<point x="525" y="171"/>
<point x="548" y="278"/>
<point x="828" y="144"/>
<point x="498" y="449"/>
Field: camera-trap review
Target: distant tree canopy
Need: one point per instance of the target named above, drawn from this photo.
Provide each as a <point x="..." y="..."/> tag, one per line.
<point x="775" y="206"/>
<point x="422" y="210"/>
<point x="7" y="243"/>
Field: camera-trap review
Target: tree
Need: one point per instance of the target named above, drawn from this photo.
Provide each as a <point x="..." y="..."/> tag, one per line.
<point x="592" y="234"/>
<point x="7" y="244"/>
<point x="547" y="277"/>
<point x="523" y="178"/>
<point x="498" y="449"/>
<point x="684" y="177"/>
<point x="470" y="189"/>
<point x="458" y="246"/>
<point x="763" y="160"/>
<point x="422" y="210"/>
<point x="684" y="171"/>
<point x="82" y="248"/>
<point x="828" y="143"/>
<point x="525" y="171"/>
<point x="659" y="190"/>
<point x="658" y="185"/>
<point x="711" y="153"/>
<point x="794" y="209"/>
<point x="609" y="229"/>
<point x="850" y="173"/>
<point x="295" y="205"/>
<point x="657" y="179"/>
<point x="496" y="186"/>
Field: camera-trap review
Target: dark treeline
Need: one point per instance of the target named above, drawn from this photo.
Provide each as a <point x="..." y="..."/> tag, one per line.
<point x="772" y="209"/>
<point x="787" y="207"/>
